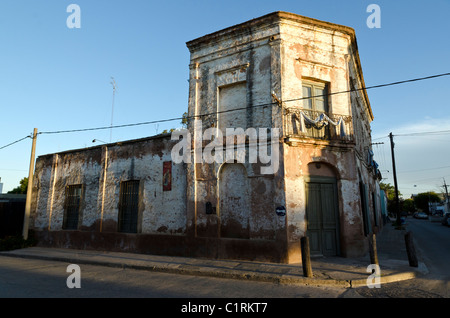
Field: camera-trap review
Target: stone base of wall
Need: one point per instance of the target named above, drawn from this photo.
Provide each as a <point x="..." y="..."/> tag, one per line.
<point x="170" y="245"/>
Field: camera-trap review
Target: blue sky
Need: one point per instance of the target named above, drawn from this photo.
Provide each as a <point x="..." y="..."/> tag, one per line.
<point x="55" y="78"/>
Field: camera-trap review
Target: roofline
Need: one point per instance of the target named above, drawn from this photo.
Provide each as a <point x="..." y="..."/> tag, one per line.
<point x="118" y="143"/>
<point x="271" y="17"/>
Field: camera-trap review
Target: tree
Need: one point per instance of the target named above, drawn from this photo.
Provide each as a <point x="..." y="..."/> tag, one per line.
<point x="184" y="120"/>
<point x="408" y="205"/>
<point x="184" y="123"/>
<point x="22" y="189"/>
<point x="389" y="190"/>
<point x="423" y="199"/>
<point x="390" y="194"/>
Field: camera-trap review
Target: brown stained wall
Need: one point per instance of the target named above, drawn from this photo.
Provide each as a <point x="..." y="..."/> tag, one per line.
<point x="163" y="224"/>
<point x="326" y="55"/>
<point x="301" y="163"/>
<point x="246" y="64"/>
<point x="260" y="212"/>
<point x="241" y="56"/>
<point x="160" y="212"/>
<point x="277" y="55"/>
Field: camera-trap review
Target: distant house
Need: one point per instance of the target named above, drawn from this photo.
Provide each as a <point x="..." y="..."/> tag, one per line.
<point x="12" y="210"/>
<point x="283" y="76"/>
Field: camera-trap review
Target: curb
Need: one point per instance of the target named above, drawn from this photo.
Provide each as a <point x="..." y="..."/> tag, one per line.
<point x="194" y="270"/>
<point x="385" y="279"/>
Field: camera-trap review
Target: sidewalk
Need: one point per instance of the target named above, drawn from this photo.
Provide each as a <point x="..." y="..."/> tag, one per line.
<point x="331" y="271"/>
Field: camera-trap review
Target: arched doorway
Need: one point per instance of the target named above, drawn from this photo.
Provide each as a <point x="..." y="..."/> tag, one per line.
<point x="322" y="210"/>
<point x="234" y="204"/>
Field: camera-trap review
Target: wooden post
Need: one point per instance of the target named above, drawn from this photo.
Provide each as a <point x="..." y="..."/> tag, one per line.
<point x="26" y="220"/>
<point x="410" y="250"/>
<point x="397" y="204"/>
<point x="373" y="250"/>
<point x="306" y="259"/>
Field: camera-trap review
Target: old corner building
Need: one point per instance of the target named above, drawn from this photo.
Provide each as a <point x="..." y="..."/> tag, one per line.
<point x="281" y="71"/>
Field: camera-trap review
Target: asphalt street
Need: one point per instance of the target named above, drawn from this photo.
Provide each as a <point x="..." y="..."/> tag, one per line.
<point x="31" y="278"/>
<point x="433" y="240"/>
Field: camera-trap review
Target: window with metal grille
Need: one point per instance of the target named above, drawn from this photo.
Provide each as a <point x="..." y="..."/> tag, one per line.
<point x="72" y="210"/>
<point x="128" y="206"/>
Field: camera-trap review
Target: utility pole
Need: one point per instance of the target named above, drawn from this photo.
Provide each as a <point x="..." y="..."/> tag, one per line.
<point x="26" y="220"/>
<point x="397" y="205"/>
<point x="446" y="197"/>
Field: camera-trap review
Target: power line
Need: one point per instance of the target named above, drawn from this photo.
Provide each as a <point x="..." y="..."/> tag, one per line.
<point x="426" y="179"/>
<point x="420" y="170"/>
<point x="245" y="108"/>
<point x="109" y="127"/>
<point x="441" y="132"/>
<point x="419" y="134"/>
<point x="378" y="86"/>
<point x="14" y="142"/>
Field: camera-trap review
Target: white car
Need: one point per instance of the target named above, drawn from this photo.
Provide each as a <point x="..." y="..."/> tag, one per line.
<point x="421" y="215"/>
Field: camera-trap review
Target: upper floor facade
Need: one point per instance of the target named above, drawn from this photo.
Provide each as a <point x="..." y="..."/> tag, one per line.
<point x="298" y="74"/>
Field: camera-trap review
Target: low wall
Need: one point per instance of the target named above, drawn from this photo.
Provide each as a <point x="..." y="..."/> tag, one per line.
<point x="170" y="245"/>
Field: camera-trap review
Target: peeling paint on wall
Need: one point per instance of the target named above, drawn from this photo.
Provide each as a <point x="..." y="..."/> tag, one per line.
<point x="229" y="209"/>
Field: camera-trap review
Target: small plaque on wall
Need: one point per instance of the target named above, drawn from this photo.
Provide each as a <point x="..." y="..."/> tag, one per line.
<point x="281" y="211"/>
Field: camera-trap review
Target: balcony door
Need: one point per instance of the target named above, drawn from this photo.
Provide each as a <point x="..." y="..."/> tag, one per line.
<point x="315" y="103"/>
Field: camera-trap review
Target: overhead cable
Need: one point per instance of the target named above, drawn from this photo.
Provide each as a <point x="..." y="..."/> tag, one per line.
<point x="14" y="142"/>
<point x="244" y="108"/>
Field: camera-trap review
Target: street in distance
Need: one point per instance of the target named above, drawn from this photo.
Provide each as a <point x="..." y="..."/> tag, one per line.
<point x="229" y="307"/>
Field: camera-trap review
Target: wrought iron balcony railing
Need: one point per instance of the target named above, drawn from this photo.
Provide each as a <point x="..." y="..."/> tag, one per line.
<point x="305" y="123"/>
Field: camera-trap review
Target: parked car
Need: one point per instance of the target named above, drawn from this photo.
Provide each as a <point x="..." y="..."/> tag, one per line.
<point x="421" y="215"/>
<point x="446" y="219"/>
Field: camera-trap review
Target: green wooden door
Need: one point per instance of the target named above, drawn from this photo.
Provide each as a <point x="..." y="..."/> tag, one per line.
<point x="322" y="217"/>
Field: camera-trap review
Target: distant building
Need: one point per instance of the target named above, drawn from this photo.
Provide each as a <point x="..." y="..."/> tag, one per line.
<point x="12" y="210"/>
<point x="280" y="72"/>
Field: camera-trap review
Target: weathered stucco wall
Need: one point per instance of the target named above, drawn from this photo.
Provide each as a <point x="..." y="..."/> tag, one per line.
<point x="160" y="212"/>
<point x="277" y="53"/>
<point x="231" y="70"/>
<point x="327" y="55"/>
<point x="229" y="208"/>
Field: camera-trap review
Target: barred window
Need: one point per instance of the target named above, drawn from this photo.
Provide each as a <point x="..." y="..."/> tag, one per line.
<point x="72" y="207"/>
<point x="128" y="206"/>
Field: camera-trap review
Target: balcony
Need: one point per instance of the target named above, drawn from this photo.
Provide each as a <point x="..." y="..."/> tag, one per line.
<point x="304" y="123"/>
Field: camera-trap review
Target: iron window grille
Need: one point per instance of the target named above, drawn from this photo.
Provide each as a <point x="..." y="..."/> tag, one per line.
<point x="72" y="207"/>
<point x="129" y="206"/>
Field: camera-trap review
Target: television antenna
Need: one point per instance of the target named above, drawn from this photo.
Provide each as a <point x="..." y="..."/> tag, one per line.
<point x="114" y="85"/>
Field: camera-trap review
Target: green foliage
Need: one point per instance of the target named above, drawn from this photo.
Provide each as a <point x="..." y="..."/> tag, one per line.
<point x="408" y="205"/>
<point x="389" y="190"/>
<point x="22" y="189"/>
<point x="422" y="199"/>
<point x="10" y="243"/>
<point x="184" y="123"/>
<point x="184" y="120"/>
<point x="390" y="193"/>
